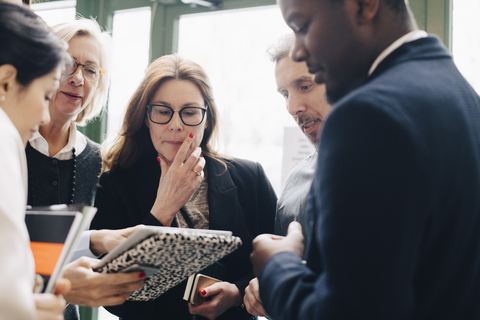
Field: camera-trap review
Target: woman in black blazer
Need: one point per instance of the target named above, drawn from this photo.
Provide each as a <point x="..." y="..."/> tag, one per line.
<point x="162" y="170"/>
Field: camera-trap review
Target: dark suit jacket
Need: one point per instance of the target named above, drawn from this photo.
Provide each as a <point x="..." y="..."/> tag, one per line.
<point x="240" y="200"/>
<point x="395" y="202"/>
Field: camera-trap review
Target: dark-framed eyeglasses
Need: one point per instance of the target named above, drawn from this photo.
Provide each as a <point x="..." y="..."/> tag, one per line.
<point x="190" y="116"/>
<point x="90" y="72"/>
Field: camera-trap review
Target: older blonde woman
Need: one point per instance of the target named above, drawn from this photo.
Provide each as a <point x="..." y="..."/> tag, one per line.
<point x="172" y="119"/>
<point x="64" y="164"/>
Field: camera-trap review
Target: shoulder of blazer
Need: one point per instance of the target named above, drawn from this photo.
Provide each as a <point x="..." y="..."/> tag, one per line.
<point x="239" y="171"/>
<point x="242" y="167"/>
<point x="143" y="174"/>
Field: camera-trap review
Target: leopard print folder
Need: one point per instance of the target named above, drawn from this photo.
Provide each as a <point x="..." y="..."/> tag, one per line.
<point x="177" y="253"/>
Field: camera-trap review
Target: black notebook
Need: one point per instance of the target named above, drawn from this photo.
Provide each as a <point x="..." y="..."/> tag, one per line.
<point x="54" y="234"/>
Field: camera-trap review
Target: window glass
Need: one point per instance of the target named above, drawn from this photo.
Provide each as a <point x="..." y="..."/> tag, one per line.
<point x="55" y="12"/>
<point x="131" y="38"/>
<point x="231" y="47"/>
<point x="466" y="40"/>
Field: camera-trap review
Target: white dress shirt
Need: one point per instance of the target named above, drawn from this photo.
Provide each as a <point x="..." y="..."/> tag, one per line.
<point x="75" y="139"/>
<point x="411" y="36"/>
<point x="17" y="268"/>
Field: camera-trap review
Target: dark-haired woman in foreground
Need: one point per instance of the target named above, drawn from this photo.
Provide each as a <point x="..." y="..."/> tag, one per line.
<point x="31" y="60"/>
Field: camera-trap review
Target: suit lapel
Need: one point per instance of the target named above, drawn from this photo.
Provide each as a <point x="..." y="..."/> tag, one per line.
<point x="146" y="177"/>
<point x="422" y="49"/>
<point x="222" y="198"/>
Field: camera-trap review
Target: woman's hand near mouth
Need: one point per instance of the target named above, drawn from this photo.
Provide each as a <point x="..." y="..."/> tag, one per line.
<point x="178" y="182"/>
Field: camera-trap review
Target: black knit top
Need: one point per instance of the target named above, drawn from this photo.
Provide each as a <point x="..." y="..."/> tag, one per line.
<point x="50" y="179"/>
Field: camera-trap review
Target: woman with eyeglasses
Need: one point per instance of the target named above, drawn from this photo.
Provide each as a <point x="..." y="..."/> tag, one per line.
<point x="162" y="170"/>
<point x="63" y="163"/>
<point x="27" y="83"/>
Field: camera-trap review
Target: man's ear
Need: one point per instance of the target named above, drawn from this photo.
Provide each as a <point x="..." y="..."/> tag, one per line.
<point x="8" y="78"/>
<point x="364" y="10"/>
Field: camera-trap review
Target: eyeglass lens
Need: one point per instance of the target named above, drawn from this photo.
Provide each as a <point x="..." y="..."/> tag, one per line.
<point x="90" y="72"/>
<point x="190" y="115"/>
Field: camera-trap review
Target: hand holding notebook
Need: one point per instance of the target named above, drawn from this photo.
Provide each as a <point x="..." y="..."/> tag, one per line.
<point x="175" y="252"/>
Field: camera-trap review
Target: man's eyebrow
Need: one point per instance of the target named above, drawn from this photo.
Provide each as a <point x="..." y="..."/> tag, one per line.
<point x="303" y="78"/>
<point x="296" y="81"/>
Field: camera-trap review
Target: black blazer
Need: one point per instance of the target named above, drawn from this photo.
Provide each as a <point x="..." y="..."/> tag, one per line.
<point x="395" y="202"/>
<point x="240" y="200"/>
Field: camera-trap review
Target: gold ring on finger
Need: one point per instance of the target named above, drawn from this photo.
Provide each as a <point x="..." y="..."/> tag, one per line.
<point x="198" y="173"/>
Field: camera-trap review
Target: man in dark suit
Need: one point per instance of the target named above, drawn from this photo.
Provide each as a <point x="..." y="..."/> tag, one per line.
<point x="394" y="209"/>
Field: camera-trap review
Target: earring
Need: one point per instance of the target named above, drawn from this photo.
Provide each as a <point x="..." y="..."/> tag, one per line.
<point x="2" y="98"/>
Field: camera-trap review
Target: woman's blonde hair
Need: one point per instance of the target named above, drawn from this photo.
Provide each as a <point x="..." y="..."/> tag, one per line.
<point x="133" y="141"/>
<point x="90" y="28"/>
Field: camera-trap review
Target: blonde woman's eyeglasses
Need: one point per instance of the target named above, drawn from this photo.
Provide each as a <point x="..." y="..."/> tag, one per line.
<point x="90" y="72"/>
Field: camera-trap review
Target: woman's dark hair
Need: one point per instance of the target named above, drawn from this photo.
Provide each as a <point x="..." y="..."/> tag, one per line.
<point x="28" y="44"/>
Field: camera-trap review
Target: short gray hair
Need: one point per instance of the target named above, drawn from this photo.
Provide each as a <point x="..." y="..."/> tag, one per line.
<point x="282" y="48"/>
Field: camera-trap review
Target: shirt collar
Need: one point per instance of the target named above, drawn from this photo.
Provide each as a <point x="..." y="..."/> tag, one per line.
<point x="75" y="140"/>
<point x="411" y="36"/>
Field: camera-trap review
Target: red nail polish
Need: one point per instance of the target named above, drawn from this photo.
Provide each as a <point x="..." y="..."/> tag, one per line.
<point x="142" y="275"/>
<point x="203" y="292"/>
<point x="158" y="159"/>
<point x="191" y="135"/>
